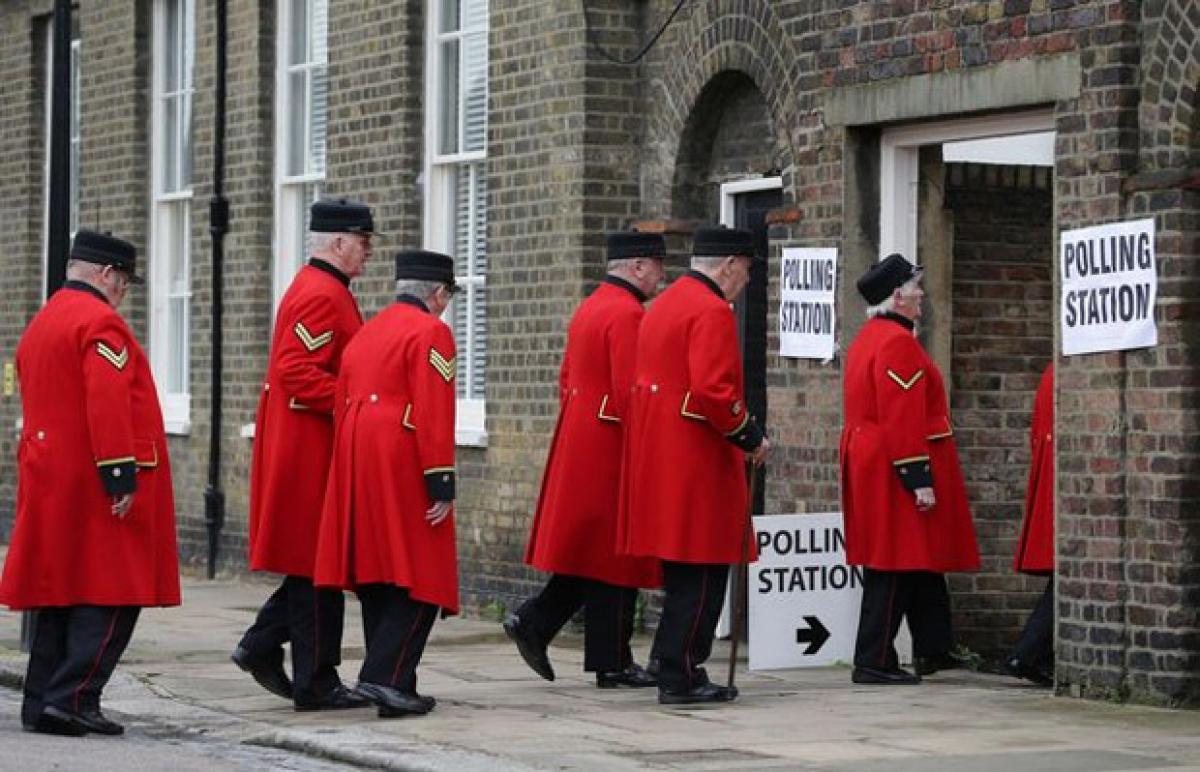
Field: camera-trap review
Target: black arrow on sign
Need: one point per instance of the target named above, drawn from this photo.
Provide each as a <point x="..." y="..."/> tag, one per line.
<point x="815" y="636"/>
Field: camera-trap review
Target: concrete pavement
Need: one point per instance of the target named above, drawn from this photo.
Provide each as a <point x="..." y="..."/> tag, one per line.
<point x="494" y="714"/>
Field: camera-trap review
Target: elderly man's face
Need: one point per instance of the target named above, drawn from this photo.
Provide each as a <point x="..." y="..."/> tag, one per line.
<point x="908" y="299"/>
<point x="354" y="250"/>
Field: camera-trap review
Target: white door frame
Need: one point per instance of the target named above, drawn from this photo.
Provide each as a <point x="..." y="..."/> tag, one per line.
<point x="731" y="190"/>
<point x="899" y="157"/>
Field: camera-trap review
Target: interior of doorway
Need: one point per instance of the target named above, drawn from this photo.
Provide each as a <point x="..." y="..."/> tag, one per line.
<point x="971" y="200"/>
<point x="745" y="204"/>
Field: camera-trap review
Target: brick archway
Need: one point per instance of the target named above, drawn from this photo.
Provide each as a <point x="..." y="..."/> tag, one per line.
<point x="1169" y="120"/>
<point x="711" y="43"/>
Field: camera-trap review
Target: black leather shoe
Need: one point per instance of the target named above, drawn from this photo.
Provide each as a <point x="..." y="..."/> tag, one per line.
<point x="896" y="677"/>
<point x="338" y="698"/>
<point x="635" y="676"/>
<point x="394" y="703"/>
<point x="946" y="661"/>
<point x="57" y="722"/>
<point x="1016" y="667"/>
<point x="531" y="647"/>
<point x="92" y="720"/>
<point x="269" y="676"/>
<point x="708" y="692"/>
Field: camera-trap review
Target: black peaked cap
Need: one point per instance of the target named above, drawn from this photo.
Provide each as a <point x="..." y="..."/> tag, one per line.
<point x="882" y="278"/>
<point x="719" y="241"/>
<point x="341" y="216"/>
<point x="106" y="249"/>
<point x="625" y="245"/>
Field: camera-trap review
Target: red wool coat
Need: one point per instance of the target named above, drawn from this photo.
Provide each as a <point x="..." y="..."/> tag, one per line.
<point x="575" y="526"/>
<point x="1035" y="548"/>
<point x="92" y="428"/>
<point x="684" y="490"/>
<point x="393" y="458"/>
<point x="293" y="430"/>
<point x="898" y="429"/>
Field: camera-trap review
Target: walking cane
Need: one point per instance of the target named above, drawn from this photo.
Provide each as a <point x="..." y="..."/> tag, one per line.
<point x="739" y="607"/>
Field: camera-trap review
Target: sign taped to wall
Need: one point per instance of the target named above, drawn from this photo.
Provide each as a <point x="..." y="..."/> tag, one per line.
<point x="806" y="303"/>
<point x="1109" y="287"/>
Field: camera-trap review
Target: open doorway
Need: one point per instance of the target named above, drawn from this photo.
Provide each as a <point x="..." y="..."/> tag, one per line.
<point x="973" y="202"/>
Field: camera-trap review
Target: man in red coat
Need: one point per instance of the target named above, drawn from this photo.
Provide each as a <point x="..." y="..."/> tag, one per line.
<point x="574" y="528"/>
<point x="684" y="487"/>
<point x="903" y="497"/>
<point x="1033" y="656"/>
<point x="387" y="529"/>
<point x="293" y="443"/>
<point x="94" y="536"/>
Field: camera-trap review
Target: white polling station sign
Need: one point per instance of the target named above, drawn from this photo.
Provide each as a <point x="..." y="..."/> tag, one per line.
<point x="1109" y="287"/>
<point x="806" y="302"/>
<point x="804" y="599"/>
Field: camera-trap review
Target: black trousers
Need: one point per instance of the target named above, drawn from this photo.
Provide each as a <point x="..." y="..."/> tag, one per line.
<point x="72" y="655"/>
<point x="311" y="619"/>
<point x="396" y="628"/>
<point x="891" y="596"/>
<point x="694" y="594"/>
<point x="1035" y="647"/>
<point x="607" y="622"/>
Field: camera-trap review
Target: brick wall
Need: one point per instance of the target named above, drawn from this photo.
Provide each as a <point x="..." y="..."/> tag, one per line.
<point x="1002" y="339"/>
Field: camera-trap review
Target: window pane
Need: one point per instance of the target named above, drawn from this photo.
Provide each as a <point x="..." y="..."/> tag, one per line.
<point x="320" y="103"/>
<point x="170" y="46"/>
<point x="478" y="353"/>
<point x="177" y="335"/>
<point x="170" y="150"/>
<point x="298" y="34"/>
<point x="297" y="122"/>
<point x="189" y="42"/>
<point x="474" y="96"/>
<point x="185" y="140"/>
<point x="177" y="244"/>
<point x="448" y="112"/>
<point x="462" y="219"/>
<point x="449" y="22"/>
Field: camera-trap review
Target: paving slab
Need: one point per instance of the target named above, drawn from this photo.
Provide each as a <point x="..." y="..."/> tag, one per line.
<point x="493" y="713"/>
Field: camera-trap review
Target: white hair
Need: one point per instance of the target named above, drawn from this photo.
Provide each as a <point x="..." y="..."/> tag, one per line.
<point x="624" y="265"/>
<point x="707" y="262"/>
<point x="888" y="304"/>
<point x="320" y="241"/>
<point x="418" y="288"/>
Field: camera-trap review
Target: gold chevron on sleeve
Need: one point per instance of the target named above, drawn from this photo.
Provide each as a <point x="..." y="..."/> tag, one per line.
<point x="447" y="368"/>
<point x="310" y="341"/>
<point x="906" y="385"/>
<point x="112" y="357"/>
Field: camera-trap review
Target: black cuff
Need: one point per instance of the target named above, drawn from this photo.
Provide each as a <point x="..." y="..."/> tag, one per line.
<point x="915" y="473"/>
<point x="748" y="438"/>
<point x="119" y="479"/>
<point x="439" y="483"/>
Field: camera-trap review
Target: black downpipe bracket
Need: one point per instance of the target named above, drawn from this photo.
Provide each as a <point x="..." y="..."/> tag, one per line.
<point x="218" y="226"/>
<point x="58" y="225"/>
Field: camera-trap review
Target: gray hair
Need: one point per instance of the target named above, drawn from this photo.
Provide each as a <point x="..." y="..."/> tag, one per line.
<point x="707" y="262"/>
<point x="418" y="288"/>
<point x="888" y="304"/>
<point x="320" y="241"/>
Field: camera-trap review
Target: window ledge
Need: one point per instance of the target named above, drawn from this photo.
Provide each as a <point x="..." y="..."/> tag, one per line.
<point x="246" y="431"/>
<point x="177" y="427"/>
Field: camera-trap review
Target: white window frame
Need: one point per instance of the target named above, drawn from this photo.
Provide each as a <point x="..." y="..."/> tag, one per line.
<point x="176" y="406"/>
<point x="289" y="256"/>
<point x="76" y="149"/>
<point x="900" y="150"/>
<point x="438" y="175"/>
<point x="731" y="190"/>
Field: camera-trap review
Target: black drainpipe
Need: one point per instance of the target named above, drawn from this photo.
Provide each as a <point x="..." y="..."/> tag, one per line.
<point x="218" y="226"/>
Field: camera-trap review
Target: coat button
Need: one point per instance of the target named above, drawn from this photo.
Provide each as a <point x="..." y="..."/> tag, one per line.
<point x="266" y="387"/>
<point x="374" y="397"/>
<point x="116" y="471"/>
<point x="41" y="435"/>
<point x="347" y="400"/>
<point x="654" y="388"/>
